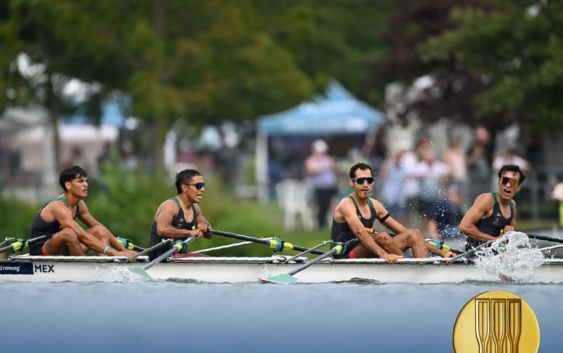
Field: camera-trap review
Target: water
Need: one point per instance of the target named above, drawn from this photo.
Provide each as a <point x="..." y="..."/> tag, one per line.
<point x="511" y="256"/>
<point x="251" y="317"/>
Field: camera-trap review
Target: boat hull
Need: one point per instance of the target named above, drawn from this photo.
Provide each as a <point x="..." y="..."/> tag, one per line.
<point x="237" y="270"/>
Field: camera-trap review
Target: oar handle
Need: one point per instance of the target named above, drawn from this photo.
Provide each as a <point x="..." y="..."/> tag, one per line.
<point x="30" y="241"/>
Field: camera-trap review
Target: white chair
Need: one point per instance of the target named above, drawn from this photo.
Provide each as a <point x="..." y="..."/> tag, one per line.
<point x="292" y="197"/>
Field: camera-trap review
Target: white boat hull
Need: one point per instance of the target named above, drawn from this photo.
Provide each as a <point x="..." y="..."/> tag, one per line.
<point x="236" y="270"/>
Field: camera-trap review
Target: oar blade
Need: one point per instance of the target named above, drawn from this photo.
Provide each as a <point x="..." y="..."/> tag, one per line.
<point x="139" y="271"/>
<point x="283" y="278"/>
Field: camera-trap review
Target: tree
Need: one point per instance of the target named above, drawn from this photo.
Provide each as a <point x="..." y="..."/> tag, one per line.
<point x="454" y="85"/>
<point x="195" y="59"/>
<point x="516" y="47"/>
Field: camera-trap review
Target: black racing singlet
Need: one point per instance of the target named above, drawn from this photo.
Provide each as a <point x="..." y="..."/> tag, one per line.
<point x="341" y="232"/>
<point x="178" y="222"/>
<point x="493" y="224"/>
<point x="39" y="227"/>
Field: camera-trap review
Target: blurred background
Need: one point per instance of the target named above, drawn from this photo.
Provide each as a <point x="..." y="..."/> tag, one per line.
<point x="256" y="94"/>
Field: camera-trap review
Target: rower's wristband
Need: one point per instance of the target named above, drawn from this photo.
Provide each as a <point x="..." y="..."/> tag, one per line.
<point x="106" y="249"/>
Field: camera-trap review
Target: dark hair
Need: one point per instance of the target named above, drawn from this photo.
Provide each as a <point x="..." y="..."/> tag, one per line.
<point x="71" y="173"/>
<point x="185" y="177"/>
<point x="512" y="168"/>
<point x="361" y="166"/>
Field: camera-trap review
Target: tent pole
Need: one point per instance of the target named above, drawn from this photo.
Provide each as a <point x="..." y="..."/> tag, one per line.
<point x="262" y="167"/>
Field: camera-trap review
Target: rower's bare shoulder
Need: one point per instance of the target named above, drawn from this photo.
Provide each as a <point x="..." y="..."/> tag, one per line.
<point x="169" y="206"/>
<point x="344" y="204"/>
<point x="484" y="201"/>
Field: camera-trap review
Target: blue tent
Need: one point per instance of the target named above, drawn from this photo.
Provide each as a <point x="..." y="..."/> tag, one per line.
<point x="337" y="113"/>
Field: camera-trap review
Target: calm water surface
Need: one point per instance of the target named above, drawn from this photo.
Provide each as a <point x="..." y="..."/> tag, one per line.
<point x="252" y="317"/>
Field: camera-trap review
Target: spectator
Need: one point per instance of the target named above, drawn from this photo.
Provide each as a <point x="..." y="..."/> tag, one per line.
<point x="128" y="158"/>
<point x="557" y="194"/>
<point x="446" y="215"/>
<point x="393" y="175"/>
<point x="431" y="174"/>
<point x="321" y="170"/>
<point x="509" y="157"/>
<point x="456" y="158"/>
<point x="479" y="164"/>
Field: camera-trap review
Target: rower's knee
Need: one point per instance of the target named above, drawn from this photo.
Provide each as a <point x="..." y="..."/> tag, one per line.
<point x="68" y="235"/>
<point x="415" y="235"/>
<point x="382" y="238"/>
<point x="100" y="232"/>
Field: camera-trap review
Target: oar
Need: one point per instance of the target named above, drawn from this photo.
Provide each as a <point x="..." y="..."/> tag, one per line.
<point x="274" y="243"/>
<point x="287" y="278"/>
<point x="177" y="247"/>
<point x="308" y="251"/>
<point x="127" y="244"/>
<point x="470" y="252"/>
<point x="20" y="245"/>
<point x="146" y="251"/>
<point x="551" y="247"/>
<point x="544" y="237"/>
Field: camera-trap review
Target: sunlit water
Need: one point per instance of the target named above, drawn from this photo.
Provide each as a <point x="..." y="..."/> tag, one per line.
<point x="251" y="317"/>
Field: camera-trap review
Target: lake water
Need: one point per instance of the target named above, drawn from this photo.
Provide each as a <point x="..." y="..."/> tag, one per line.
<point x="251" y="317"/>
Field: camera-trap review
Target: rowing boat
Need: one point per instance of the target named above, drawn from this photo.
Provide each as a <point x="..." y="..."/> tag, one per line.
<point x="248" y="269"/>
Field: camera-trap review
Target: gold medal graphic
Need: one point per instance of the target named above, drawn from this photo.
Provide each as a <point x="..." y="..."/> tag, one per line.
<point x="496" y="322"/>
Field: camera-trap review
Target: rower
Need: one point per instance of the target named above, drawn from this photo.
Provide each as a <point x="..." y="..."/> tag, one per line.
<point x="56" y="219"/>
<point x="358" y="211"/>
<point x="180" y="217"/>
<point x="493" y="213"/>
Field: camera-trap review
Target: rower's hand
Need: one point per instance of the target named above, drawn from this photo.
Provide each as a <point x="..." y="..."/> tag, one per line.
<point x="196" y="233"/>
<point x="508" y="229"/>
<point x="391" y="258"/>
<point x="128" y="253"/>
<point x="204" y="227"/>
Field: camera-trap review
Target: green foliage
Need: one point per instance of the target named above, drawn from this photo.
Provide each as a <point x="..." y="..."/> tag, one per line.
<point x="16" y="218"/>
<point x="516" y="47"/>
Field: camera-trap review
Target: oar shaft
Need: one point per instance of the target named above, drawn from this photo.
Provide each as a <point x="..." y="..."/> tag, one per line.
<point x="319" y="258"/>
<point x="166" y="254"/>
<point x="308" y="251"/>
<point x="145" y="251"/>
<point x="312" y="262"/>
<point x="545" y="237"/>
<point x="260" y="241"/>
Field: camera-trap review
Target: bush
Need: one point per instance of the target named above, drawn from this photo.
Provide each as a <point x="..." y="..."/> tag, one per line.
<point x="16" y="218"/>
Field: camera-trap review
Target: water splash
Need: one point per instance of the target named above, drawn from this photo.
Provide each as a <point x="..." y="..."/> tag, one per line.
<point x="116" y="274"/>
<point x="517" y="263"/>
<point x="265" y="273"/>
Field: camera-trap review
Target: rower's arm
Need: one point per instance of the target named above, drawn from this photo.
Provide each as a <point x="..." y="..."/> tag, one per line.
<point x="348" y="211"/>
<point x="482" y="205"/>
<point x="389" y="223"/>
<point x="64" y="216"/>
<point x="86" y="217"/>
<point x="164" y="228"/>
<point x="203" y="220"/>
<point x="515" y="214"/>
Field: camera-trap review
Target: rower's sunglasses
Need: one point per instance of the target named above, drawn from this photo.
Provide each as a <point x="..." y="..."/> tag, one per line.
<point x="361" y="181"/>
<point x="198" y="186"/>
<point x="513" y="182"/>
